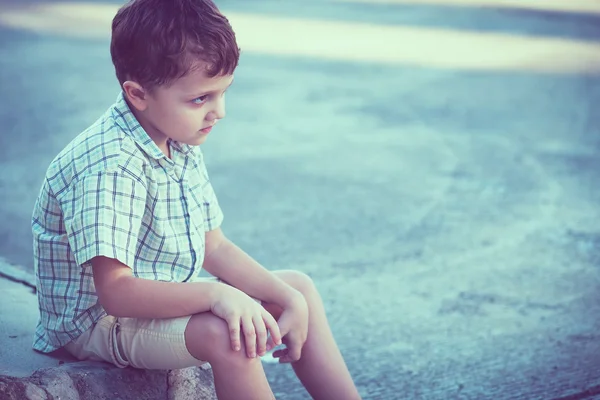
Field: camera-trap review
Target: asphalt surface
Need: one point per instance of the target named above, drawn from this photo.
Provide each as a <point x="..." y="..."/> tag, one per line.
<point x="449" y="216"/>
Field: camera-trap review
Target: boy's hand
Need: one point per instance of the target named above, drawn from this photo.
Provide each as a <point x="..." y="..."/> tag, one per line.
<point x="240" y="311"/>
<point x="293" y="325"/>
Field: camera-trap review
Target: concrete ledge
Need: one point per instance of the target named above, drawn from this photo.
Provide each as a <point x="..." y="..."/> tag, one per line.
<point x="191" y="383"/>
<point x="98" y="381"/>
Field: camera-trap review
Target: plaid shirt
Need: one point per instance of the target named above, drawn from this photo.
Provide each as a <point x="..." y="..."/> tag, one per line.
<point x="112" y="192"/>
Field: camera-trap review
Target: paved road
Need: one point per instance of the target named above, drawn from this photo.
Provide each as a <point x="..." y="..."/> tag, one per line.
<point x="448" y="212"/>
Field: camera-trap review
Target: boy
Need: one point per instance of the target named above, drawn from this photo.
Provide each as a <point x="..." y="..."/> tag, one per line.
<point x="127" y="217"/>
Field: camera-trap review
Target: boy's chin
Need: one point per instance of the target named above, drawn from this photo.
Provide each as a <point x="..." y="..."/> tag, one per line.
<point x="197" y="140"/>
<point x="201" y="140"/>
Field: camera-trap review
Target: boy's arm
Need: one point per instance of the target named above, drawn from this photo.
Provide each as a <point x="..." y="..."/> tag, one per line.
<point x="227" y="261"/>
<point x="123" y="295"/>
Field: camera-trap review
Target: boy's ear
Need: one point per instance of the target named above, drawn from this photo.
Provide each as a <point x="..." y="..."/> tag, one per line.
<point x="136" y="95"/>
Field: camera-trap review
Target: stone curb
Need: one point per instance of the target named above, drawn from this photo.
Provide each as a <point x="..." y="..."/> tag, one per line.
<point x="15" y="274"/>
<point x="99" y="381"/>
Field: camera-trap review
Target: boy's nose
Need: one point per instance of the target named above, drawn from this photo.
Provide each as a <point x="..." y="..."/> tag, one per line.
<point x="218" y="112"/>
<point x="214" y="116"/>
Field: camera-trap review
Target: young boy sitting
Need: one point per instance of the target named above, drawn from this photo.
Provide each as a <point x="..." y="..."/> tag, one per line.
<point x="127" y="218"/>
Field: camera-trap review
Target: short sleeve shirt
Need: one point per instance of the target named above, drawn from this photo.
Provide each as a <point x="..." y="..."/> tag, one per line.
<point x="112" y="192"/>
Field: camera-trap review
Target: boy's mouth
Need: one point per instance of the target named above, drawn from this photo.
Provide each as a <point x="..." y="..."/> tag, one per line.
<point x="207" y="129"/>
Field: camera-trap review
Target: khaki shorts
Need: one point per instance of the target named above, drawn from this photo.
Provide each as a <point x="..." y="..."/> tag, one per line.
<point x="136" y="342"/>
<point x="139" y="343"/>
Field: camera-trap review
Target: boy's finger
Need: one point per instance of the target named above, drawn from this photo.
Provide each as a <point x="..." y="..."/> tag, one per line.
<point x="249" y="336"/>
<point x="294" y="352"/>
<point x="261" y="335"/>
<point x="279" y="353"/>
<point x="272" y="327"/>
<point x="285" y="358"/>
<point x="234" y="333"/>
<point x="270" y="343"/>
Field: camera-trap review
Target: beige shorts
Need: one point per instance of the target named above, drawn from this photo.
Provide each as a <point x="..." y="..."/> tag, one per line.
<point x="135" y="342"/>
<point x="139" y="343"/>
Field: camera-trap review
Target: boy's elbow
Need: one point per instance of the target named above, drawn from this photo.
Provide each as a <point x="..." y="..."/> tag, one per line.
<point x="113" y="299"/>
<point x="113" y="281"/>
<point x="111" y="305"/>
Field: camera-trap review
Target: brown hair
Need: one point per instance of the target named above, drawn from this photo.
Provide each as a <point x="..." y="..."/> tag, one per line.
<point x="155" y="42"/>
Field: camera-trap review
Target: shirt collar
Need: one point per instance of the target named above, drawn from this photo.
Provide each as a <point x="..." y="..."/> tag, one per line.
<point x="125" y="119"/>
<point x="184" y="148"/>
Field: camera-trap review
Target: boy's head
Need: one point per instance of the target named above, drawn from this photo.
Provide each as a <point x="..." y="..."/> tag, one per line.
<point x="165" y="52"/>
<point x="155" y="42"/>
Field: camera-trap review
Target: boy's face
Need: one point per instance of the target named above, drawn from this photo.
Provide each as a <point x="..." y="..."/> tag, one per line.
<point x="185" y="111"/>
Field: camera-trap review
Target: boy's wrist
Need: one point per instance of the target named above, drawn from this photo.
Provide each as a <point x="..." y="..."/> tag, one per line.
<point x="214" y="292"/>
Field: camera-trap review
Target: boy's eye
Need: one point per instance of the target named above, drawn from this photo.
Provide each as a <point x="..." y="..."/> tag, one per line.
<point x="200" y="100"/>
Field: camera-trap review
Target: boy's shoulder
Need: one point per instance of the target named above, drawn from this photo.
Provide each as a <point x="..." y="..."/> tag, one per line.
<point x="103" y="147"/>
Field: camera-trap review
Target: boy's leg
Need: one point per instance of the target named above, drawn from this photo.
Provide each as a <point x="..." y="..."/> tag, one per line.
<point x="236" y="375"/>
<point x="172" y="344"/>
<point x="321" y="368"/>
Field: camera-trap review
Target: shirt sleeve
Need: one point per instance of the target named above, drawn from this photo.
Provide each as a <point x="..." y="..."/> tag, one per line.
<point x="103" y="216"/>
<point x="213" y="216"/>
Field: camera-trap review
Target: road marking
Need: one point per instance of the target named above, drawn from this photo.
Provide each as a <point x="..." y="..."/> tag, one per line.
<point x="569" y="6"/>
<point x="348" y="41"/>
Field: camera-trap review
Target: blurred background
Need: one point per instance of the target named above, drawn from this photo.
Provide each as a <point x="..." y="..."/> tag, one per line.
<point x="433" y="165"/>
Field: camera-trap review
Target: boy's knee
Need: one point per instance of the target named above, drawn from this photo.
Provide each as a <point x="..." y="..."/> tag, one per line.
<point x="299" y="281"/>
<point x="207" y="338"/>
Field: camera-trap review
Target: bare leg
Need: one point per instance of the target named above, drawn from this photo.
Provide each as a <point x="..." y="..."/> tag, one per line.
<point x="321" y="368"/>
<point x="236" y="375"/>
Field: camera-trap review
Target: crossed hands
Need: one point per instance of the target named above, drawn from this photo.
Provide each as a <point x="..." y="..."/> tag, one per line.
<point x="249" y="321"/>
